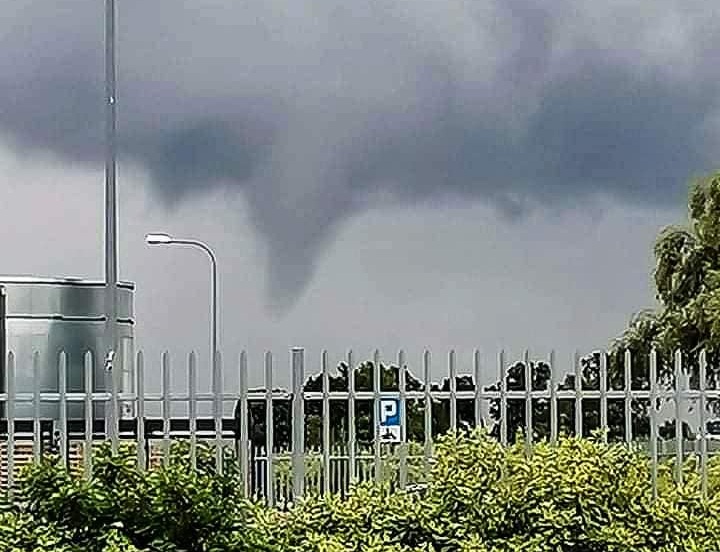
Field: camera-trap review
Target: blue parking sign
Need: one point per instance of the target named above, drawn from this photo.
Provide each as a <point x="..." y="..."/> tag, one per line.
<point x="389" y="426"/>
<point x="389" y="412"/>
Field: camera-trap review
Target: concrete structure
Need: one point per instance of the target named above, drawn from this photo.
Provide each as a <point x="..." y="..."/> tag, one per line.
<point x="48" y="316"/>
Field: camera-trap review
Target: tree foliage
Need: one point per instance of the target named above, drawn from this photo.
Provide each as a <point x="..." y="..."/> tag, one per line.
<point x="687" y="282"/>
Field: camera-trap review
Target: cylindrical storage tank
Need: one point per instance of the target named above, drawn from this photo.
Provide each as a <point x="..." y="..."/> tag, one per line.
<point x="47" y="316"/>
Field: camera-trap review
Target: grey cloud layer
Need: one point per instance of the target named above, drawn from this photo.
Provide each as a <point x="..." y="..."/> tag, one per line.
<point x="316" y="109"/>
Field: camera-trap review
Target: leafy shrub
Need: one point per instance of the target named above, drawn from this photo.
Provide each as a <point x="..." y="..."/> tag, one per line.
<point x="580" y="495"/>
<point x="122" y="508"/>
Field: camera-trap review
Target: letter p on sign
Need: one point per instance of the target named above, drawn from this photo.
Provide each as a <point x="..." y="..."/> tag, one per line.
<point x="389" y="412"/>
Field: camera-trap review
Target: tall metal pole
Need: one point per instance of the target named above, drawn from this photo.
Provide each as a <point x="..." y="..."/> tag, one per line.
<point x="111" y="256"/>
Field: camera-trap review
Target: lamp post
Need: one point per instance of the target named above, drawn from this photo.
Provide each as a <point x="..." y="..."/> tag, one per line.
<point x="165" y="239"/>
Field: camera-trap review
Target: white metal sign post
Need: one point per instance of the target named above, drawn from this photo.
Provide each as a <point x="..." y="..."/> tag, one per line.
<point x="390" y="423"/>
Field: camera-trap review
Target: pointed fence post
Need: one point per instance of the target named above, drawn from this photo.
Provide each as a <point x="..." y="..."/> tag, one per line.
<point x="403" y="452"/>
<point x="628" y="398"/>
<point x="142" y="459"/>
<point x="325" y="423"/>
<point x="528" y="403"/>
<point x="553" y="401"/>
<point x="244" y="440"/>
<point x="352" y="437"/>
<point x="603" y="396"/>
<point x="11" y="396"/>
<point x="166" y="413"/>
<point x="37" y="433"/>
<point x="269" y="431"/>
<point x="218" y="403"/>
<point x="89" y="367"/>
<point x="653" y="421"/>
<point x="428" y="448"/>
<point x="62" y="388"/>
<point x="679" y="441"/>
<point x="298" y="422"/>
<point x="192" y="407"/>
<point x="377" y="386"/>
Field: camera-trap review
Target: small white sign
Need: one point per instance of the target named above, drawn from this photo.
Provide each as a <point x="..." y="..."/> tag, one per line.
<point x="391" y="434"/>
<point x="389" y="428"/>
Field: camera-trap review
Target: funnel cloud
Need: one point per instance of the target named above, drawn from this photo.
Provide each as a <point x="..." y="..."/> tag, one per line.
<point x="316" y="111"/>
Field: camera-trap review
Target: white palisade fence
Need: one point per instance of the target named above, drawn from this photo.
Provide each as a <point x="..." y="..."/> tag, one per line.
<point x="277" y="461"/>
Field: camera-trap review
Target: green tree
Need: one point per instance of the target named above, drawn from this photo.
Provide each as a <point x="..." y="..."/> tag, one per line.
<point x="687" y="280"/>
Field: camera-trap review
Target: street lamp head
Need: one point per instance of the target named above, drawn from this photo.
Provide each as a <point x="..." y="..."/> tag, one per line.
<point x="158" y="239"/>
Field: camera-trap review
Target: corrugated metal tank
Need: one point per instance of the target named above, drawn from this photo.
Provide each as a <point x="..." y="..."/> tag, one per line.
<point x="48" y="316"/>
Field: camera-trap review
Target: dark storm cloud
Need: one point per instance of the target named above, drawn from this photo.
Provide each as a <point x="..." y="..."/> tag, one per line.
<point x="636" y="138"/>
<point x="599" y="130"/>
<point x="181" y="161"/>
<point x="316" y="111"/>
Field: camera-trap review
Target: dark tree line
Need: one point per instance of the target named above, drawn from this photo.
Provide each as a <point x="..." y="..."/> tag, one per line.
<point x="465" y="408"/>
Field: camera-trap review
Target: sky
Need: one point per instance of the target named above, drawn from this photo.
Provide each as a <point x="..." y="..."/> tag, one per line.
<point x="399" y="174"/>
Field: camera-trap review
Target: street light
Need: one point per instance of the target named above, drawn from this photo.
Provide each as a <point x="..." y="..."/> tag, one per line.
<point x="158" y="239"/>
<point x="165" y="239"/>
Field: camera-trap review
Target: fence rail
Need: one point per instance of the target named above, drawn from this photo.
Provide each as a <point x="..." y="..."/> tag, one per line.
<point x="336" y="441"/>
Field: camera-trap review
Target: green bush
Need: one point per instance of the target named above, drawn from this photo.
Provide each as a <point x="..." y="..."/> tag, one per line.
<point x="122" y="508"/>
<point x="580" y="495"/>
